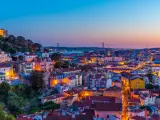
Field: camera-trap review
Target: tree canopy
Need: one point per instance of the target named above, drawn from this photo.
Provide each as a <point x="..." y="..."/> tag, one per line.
<point x="12" y="44"/>
<point x="149" y="86"/>
<point x="56" y="57"/>
<point x="5" y="115"/>
<point x="37" y="80"/>
<point x="150" y="76"/>
<point x="4" y="88"/>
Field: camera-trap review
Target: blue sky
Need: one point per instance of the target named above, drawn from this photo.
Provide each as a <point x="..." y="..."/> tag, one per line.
<point x="118" y="23"/>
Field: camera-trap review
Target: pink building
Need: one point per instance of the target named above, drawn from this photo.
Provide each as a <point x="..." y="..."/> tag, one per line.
<point x="104" y="110"/>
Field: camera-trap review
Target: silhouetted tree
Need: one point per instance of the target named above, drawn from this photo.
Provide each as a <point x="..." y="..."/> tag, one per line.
<point x="150" y="76"/>
<point x="149" y="86"/>
<point x="56" y="57"/>
<point x="37" y="80"/>
<point x="4" y="88"/>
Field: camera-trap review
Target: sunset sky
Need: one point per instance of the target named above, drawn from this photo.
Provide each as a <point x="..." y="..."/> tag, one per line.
<point x="117" y="23"/>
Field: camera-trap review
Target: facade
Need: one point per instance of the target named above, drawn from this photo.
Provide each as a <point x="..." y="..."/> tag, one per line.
<point x="43" y="65"/>
<point x="45" y="55"/>
<point x="75" y="80"/>
<point x="116" y="59"/>
<point x="100" y="80"/>
<point x="2" y="77"/>
<point x="57" y="99"/>
<point x="30" y="57"/>
<point x="6" y="71"/>
<point x="137" y="83"/>
<point x="4" y="57"/>
<point x="113" y="92"/>
<point x="132" y="81"/>
<point x="104" y="110"/>
<point x="70" y="71"/>
<point x="27" y="67"/>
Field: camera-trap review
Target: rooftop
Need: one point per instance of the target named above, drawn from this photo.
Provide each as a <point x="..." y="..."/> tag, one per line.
<point x="108" y="106"/>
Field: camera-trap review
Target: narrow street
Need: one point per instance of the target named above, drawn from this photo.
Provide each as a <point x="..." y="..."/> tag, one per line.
<point x="124" y="103"/>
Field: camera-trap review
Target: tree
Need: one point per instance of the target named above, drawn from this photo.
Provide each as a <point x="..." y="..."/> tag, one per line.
<point x="58" y="64"/>
<point x="149" y="86"/>
<point x="5" y="47"/>
<point x="1" y="38"/>
<point x="4" y="115"/>
<point x="14" y="58"/>
<point x="21" y="57"/>
<point x="15" y="103"/>
<point x="150" y="76"/>
<point x="12" y="50"/>
<point x="36" y="46"/>
<point x="65" y="64"/>
<point x="20" y="40"/>
<point x="11" y="38"/>
<point x="56" y="57"/>
<point x="4" y="88"/>
<point x="37" y="80"/>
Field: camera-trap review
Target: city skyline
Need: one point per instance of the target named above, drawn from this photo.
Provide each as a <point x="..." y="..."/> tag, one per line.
<point x="128" y="24"/>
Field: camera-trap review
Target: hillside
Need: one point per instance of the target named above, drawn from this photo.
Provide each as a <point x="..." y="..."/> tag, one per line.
<point x="12" y="44"/>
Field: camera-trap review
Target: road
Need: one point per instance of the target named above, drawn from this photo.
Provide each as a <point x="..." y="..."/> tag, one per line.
<point x="125" y="94"/>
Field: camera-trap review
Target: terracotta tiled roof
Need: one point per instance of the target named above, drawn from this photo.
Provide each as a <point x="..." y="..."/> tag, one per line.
<point x="108" y="107"/>
<point x="84" y="103"/>
<point x="70" y="69"/>
<point x="154" y="117"/>
<point x="69" y="117"/>
<point x="101" y="98"/>
<point x="138" y="118"/>
<point x="135" y="100"/>
<point x="83" y="117"/>
<point x="114" y="88"/>
<point x="69" y="98"/>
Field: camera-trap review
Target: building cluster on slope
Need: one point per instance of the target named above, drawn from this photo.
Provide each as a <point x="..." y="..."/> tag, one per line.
<point x="102" y="85"/>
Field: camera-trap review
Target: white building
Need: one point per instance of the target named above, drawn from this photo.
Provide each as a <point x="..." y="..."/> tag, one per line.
<point x="27" y="67"/>
<point x="6" y="71"/>
<point x="4" y="57"/>
<point x="30" y="57"/>
<point x="45" y="55"/>
<point x="156" y="69"/>
<point x="75" y="80"/>
<point x="117" y="59"/>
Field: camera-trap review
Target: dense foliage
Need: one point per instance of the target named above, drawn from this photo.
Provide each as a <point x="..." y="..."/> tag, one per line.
<point x="46" y="106"/>
<point x="149" y="86"/>
<point x="150" y="76"/>
<point x="12" y="44"/>
<point x="17" y="98"/>
<point x="37" y="80"/>
<point x="5" y="115"/>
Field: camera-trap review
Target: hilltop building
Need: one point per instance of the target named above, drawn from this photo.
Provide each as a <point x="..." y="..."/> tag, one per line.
<point x="3" y="33"/>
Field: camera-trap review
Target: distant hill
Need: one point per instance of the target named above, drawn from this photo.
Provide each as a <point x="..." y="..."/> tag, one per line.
<point x="12" y="44"/>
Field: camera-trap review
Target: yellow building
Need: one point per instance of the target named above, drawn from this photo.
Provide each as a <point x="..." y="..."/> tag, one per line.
<point x="137" y="83"/>
<point x="3" y="33"/>
<point x="131" y="81"/>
